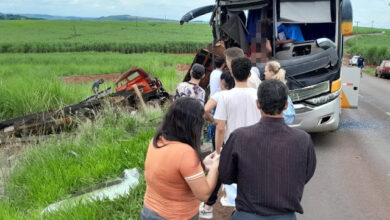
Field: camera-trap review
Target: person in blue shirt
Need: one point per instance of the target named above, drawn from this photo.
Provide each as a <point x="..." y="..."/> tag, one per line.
<point x="360" y="64"/>
<point x="293" y="32"/>
<point x="273" y="71"/>
<point x="96" y="84"/>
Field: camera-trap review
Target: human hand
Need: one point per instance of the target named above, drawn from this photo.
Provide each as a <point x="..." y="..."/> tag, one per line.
<point x="211" y="161"/>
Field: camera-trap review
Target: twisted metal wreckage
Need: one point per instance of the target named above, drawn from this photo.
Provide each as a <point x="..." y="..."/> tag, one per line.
<point x="133" y="86"/>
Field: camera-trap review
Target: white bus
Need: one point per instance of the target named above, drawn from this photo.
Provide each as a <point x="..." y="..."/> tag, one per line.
<point x="313" y="64"/>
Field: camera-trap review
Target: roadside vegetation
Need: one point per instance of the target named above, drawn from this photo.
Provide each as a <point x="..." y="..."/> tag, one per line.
<point x="33" y="82"/>
<point x="367" y="30"/>
<point x="374" y="48"/>
<point x="96" y="152"/>
<point x="102" y="36"/>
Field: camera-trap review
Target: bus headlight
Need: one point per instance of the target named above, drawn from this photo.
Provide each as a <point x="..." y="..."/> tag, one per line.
<point x="324" y="99"/>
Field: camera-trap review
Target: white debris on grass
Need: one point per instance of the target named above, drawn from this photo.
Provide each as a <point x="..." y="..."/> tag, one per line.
<point x="129" y="180"/>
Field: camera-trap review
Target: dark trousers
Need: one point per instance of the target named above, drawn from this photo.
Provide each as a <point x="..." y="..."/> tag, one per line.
<point x="214" y="196"/>
<point x="240" y="215"/>
<point x="211" y="132"/>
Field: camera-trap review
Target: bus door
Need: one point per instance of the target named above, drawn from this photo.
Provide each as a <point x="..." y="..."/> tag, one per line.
<point x="350" y="82"/>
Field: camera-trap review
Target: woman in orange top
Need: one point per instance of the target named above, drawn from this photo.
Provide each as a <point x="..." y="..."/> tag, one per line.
<point x="175" y="180"/>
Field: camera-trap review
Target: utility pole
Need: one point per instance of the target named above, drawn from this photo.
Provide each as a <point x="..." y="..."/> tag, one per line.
<point x="372" y="25"/>
<point x="136" y="21"/>
<point x="357" y="27"/>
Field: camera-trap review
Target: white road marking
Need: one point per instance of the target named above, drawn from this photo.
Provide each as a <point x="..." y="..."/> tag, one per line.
<point x="388" y="113"/>
<point x="361" y="95"/>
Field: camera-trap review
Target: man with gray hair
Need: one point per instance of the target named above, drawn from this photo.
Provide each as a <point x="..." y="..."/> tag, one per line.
<point x="254" y="76"/>
<point x="269" y="161"/>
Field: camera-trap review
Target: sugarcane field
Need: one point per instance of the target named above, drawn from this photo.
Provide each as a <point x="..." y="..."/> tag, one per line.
<point x="211" y="109"/>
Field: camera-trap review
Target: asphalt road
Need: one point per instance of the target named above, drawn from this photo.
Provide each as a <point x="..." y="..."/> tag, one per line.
<point x="352" y="179"/>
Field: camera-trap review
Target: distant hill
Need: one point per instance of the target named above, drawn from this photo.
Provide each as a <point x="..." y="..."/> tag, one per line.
<point x="133" y="18"/>
<point x="107" y="18"/>
<point x="75" y="18"/>
<point x="199" y="22"/>
<point x="15" y="17"/>
<point x="54" y="17"/>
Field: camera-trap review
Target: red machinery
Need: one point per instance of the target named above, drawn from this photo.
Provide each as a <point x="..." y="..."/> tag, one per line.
<point x="56" y="120"/>
<point x="150" y="89"/>
<point x="135" y="75"/>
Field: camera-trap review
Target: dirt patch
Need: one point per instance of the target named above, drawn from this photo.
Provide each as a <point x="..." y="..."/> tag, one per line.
<point x="183" y="67"/>
<point x="221" y="212"/>
<point x="91" y="78"/>
<point x="193" y="54"/>
<point x="346" y="59"/>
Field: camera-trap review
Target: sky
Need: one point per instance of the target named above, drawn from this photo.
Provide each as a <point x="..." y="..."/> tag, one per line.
<point x="365" y="11"/>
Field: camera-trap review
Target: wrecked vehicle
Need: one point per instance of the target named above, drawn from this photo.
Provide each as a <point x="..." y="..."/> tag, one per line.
<point x="313" y="64"/>
<point x="133" y="86"/>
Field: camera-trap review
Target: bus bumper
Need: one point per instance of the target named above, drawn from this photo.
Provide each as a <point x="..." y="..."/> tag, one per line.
<point x="317" y="119"/>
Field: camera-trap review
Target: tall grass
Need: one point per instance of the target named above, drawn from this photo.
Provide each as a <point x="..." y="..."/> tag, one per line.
<point x="373" y="48"/>
<point x="102" y="36"/>
<point x="20" y="95"/>
<point x="367" y="30"/>
<point x="51" y="171"/>
<point x="33" y="82"/>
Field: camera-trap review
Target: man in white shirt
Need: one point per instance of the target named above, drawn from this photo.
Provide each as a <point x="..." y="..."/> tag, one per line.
<point x="236" y="108"/>
<point x="215" y="76"/>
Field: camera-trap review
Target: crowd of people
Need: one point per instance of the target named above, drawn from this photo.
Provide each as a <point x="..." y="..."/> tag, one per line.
<point x="261" y="162"/>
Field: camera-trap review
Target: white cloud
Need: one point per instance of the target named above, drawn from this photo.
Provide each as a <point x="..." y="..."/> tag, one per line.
<point x="375" y="10"/>
<point x="364" y="11"/>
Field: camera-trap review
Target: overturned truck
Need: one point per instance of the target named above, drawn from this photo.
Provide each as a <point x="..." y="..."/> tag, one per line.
<point x="313" y="64"/>
<point x="134" y="80"/>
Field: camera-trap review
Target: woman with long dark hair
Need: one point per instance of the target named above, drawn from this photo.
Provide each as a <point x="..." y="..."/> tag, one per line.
<point x="175" y="179"/>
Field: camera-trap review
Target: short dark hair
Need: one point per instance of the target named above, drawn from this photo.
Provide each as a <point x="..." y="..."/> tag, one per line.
<point x="241" y="68"/>
<point x="272" y="95"/>
<point x="197" y="70"/>
<point x="227" y="77"/>
<point x="219" y="62"/>
<point x="183" y="122"/>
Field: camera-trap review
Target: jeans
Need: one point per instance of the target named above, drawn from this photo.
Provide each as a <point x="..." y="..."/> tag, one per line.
<point x="211" y="132"/>
<point x="211" y="135"/>
<point x="148" y="214"/>
<point x="240" y="215"/>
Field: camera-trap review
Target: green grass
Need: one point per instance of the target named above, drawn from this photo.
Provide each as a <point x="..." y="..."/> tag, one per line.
<point x="367" y="30"/>
<point x="33" y="82"/>
<point x="374" y="48"/>
<point x="369" y="70"/>
<point x="50" y="172"/>
<point x="78" y="36"/>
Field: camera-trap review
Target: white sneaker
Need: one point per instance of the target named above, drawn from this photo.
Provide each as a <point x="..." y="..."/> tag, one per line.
<point x="204" y="213"/>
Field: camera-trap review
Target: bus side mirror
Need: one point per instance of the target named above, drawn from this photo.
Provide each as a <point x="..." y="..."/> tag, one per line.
<point x="346" y="18"/>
